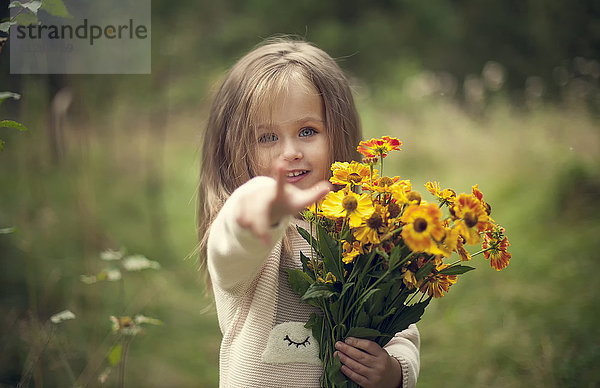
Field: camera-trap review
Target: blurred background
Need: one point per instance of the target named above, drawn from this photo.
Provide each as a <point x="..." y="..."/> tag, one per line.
<point x="504" y="94"/>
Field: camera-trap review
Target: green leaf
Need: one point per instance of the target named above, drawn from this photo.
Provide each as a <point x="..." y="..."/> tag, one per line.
<point x="299" y="281"/>
<point x="330" y="251"/>
<point x="7" y="95"/>
<point x="378" y="319"/>
<point x="394" y="256"/>
<point x="315" y="323"/>
<point x="408" y="315"/>
<point x="363" y="318"/>
<point x="5" y="26"/>
<point x="114" y="356"/>
<point x="456" y="270"/>
<point x="336" y="311"/>
<point x="335" y="374"/>
<point x="33" y="6"/>
<point x="345" y="288"/>
<point x="309" y="238"/>
<point x="316" y="291"/>
<point x="12" y="124"/>
<point x="424" y="270"/>
<point x="55" y="8"/>
<point x="6" y="230"/>
<point x="25" y="19"/>
<point x="363" y="332"/>
<point x="305" y="260"/>
<point x="367" y="297"/>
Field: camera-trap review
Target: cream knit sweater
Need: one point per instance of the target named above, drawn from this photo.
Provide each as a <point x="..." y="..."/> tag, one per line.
<point x="264" y="342"/>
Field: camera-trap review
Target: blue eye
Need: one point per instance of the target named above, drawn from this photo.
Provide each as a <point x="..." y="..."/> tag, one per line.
<point x="267" y="138"/>
<point x="304" y="132"/>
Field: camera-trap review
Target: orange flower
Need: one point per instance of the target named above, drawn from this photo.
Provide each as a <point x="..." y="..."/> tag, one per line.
<point x="381" y="185"/>
<point x="445" y="196"/>
<point x="378" y="147"/>
<point x="479" y="195"/>
<point x="497" y="244"/>
<point x="345" y="173"/>
<point x="422" y="227"/>
<point x="368" y="231"/>
<point x="438" y="284"/>
<point x="462" y="252"/>
<point x="447" y="244"/>
<point x="351" y="251"/>
<point x="471" y="217"/>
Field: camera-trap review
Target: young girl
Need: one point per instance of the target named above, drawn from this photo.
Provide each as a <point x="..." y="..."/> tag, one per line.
<point x="283" y="114"/>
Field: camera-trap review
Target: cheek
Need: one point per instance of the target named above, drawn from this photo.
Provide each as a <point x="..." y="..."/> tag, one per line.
<point x="265" y="159"/>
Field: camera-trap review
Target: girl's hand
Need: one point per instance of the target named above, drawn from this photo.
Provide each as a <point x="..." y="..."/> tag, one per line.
<point x="368" y="364"/>
<point x="262" y="211"/>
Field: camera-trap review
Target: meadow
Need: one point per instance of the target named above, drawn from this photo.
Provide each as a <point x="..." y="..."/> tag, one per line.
<point x="127" y="176"/>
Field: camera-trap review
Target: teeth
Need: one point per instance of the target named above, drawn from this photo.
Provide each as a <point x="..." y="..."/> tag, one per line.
<point x="296" y="173"/>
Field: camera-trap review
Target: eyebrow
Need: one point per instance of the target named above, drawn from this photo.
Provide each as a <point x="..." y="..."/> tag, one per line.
<point x="301" y="120"/>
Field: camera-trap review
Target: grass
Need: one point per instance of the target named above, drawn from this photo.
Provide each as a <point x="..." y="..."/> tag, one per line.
<point x="125" y="183"/>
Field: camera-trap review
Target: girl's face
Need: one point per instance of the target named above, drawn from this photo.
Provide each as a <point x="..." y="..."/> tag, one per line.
<point x="296" y="136"/>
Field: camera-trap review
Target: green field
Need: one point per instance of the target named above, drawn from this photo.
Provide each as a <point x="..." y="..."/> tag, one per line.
<point x="128" y="179"/>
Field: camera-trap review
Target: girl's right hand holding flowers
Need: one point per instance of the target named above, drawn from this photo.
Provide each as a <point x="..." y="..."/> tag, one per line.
<point x="259" y="213"/>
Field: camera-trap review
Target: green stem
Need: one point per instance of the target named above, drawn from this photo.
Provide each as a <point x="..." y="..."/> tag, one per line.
<point x="365" y="293"/>
<point x="482" y="251"/>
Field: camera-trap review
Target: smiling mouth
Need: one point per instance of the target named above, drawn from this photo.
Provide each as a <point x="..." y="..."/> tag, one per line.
<point x="293" y="174"/>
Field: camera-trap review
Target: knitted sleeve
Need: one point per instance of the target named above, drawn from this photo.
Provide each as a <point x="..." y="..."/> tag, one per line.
<point x="234" y="254"/>
<point x="404" y="347"/>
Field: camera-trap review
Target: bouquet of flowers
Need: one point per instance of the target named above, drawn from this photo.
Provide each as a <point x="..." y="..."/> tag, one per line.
<point x="380" y="250"/>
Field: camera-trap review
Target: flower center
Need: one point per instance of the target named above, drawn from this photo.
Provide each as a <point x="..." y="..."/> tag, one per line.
<point x="420" y="225"/>
<point x="375" y="221"/>
<point x="354" y="177"/>
<point x="470" y="219"/>
<point x="386" y="181"/>
<point x="349" y="203"/>
<point x="414" y="196"/>
<point x="394" y="209"/>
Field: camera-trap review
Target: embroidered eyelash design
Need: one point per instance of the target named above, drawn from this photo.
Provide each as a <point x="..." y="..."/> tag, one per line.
<point x="292" y="342"/>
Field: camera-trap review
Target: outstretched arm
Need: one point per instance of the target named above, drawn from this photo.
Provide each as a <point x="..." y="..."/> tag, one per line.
<point x="260" y="213"/>
<point x="251" y="221"/>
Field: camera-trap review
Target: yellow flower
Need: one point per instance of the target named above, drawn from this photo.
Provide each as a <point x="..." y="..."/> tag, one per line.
<point x="329" y="279"/>
<point x="462" y="252"/>
<point x="351" y="251"/>
<point x="368" y="231"/>
<point x="445" y="196"/>
<point x="438" y="284"/>
<point x="471" y="217"/>
<point x="346" y="203"/>
<point x="447" y="244"/>
<point x="400" y="190"/>
<point x="422" y="227"/>
<point x="381" y="185"/>
<point x="345" y="173"/>
<point x="409" y="279"/>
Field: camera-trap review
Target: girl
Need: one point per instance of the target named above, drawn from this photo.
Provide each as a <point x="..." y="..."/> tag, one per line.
<point x="283" y="114"/>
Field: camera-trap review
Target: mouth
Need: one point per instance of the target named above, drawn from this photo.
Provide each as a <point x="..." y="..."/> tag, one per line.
<point x="294" y="176"/>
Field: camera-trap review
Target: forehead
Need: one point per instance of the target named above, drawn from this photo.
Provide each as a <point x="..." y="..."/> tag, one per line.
<point x="295" y="100"/>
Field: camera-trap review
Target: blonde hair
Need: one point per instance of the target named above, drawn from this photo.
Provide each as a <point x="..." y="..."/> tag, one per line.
<point x="252" y="84"/>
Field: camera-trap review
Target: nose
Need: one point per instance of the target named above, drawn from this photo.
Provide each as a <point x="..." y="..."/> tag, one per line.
<point x="291" y="151"/>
